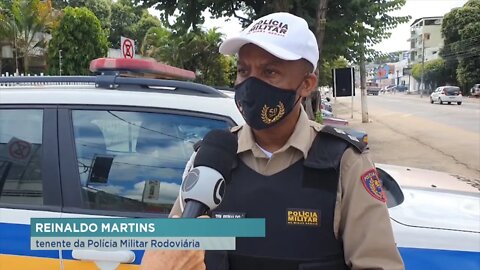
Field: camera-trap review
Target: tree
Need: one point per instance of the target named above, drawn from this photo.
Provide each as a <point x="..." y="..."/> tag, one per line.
<point x="435" y="73"/>
<point x="347" y="22"/>
<point x="26" y="25"/>
<point x="101" y="8"/>
<point x="195" y="50"/>
<point x="325" y="76"/>
<point x="123" y="18"/>
<point x="130" y="21"/>
<point x="461" y="32"/>
<point x="141" y="28"/>
<point x="80" y="38"/>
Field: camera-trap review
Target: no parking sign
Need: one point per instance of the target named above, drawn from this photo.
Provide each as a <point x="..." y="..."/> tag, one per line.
<point x="128" y="47"/>
<point x="17" y="151"/>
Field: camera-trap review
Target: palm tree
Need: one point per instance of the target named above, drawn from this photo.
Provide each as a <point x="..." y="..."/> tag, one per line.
<point x="26" y="26"/>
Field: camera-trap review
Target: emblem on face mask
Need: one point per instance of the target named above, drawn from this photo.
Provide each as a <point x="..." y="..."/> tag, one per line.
<point x="272" y="115"/>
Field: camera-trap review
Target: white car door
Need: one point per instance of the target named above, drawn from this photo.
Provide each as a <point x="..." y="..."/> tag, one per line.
<point x="124" y="163"/>
<point x="29" y="183"/>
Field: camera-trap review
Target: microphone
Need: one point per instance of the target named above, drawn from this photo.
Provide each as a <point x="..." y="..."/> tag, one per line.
<point x="204" y="186"/>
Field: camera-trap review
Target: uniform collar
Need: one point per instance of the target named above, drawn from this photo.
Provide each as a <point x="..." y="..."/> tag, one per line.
<point x="300" y="138"/>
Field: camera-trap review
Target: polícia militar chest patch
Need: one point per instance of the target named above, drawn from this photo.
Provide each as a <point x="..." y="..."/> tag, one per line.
<point x="373" y="184"/>
<point x="306" y="217"/>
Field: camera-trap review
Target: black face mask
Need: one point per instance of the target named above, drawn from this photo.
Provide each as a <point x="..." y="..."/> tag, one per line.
<point x="263" y="105"/>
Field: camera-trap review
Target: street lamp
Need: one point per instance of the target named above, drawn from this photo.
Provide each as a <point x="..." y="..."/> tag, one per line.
<point x="60" y="61"/>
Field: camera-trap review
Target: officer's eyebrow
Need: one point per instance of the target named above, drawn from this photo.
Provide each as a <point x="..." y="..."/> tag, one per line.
<point x="275" y="63"/>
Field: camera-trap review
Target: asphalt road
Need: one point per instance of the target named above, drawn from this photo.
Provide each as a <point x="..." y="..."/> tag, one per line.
<point x="465" y="116"/>
<point x="407" y="130"/>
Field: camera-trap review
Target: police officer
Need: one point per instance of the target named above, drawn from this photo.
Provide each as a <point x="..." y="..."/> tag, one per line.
<point x="315" y="185"/>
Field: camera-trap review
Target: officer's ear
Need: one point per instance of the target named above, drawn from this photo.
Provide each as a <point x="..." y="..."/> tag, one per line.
<point x="309" y="84"/>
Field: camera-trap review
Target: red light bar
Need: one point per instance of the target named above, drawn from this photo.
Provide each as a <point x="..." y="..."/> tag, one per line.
<point x="150" y="68"/>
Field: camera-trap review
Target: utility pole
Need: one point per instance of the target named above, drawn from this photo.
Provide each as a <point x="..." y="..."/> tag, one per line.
<point x="422" y="83"/>
<point x="60" y="61"/>
<point x="363" y="88"/>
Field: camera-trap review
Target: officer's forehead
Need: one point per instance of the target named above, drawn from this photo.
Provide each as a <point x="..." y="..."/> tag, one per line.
<point x="250" y="52"/>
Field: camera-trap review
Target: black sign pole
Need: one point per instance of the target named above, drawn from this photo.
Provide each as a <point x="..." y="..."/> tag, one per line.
<point x="335" y="85"/>
<point x="353" y="87"/>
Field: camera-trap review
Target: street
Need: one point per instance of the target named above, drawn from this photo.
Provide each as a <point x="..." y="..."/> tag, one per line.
<point x="407" y="130"/>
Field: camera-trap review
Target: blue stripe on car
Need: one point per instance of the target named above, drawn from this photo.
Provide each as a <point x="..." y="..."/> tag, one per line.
<point x="15" y="240"/>
<point x="416" y="258"/>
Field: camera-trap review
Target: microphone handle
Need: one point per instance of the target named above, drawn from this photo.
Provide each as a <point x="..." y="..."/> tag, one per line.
<point x="194" y="209"/>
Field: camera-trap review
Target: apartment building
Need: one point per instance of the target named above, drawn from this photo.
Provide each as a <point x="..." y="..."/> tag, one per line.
<point x="425" y="39"/>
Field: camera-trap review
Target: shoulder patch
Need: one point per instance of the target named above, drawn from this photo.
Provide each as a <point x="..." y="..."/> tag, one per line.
<point x="340" y="133"/>
<point x="373" y="184"/>
<point x="316" y="126"/>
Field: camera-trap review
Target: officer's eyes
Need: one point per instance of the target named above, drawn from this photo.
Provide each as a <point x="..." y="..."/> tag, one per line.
<point x="271" y="72"/>
<point x="241" y="71"/>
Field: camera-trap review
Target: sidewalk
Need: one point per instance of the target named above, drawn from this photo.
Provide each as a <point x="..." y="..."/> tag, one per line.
<point x="412" y="141"/>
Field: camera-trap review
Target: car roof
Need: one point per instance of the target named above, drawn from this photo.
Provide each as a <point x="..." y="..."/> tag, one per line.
<point x="126" y="96"/>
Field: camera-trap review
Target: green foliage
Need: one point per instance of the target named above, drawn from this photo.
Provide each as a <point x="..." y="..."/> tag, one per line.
<point x="130" y="21"/>
<point x="325" y="75"/>
<point x="122" y="21"/>
<point x="21" y="22"/>
<point x="141" y="28"/>
<point x="80" y="37"/>
<point x="196" y="51"/>
<point x="461" y="31"/>
<point x="319" y="117"/>
<point x="435" y="73"/>
<point x="417" y="71"/>
<point x="350" y="23"/>
<point x="352" y="26"/>
<point x="102" y="10"/>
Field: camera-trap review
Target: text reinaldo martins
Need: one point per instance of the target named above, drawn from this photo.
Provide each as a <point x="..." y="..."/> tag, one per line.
<point x="124" y="227"/>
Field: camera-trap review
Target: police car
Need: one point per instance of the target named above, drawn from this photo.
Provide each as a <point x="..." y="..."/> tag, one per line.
<point x="116" y="145"/>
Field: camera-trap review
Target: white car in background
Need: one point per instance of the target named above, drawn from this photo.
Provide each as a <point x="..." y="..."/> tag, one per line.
<point x="447" y="94"/>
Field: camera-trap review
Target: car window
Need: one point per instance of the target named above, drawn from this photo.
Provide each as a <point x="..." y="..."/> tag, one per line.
<point x="452" y="90"/>
<point x="20" y="156"/>
<point x="133" y="161"/>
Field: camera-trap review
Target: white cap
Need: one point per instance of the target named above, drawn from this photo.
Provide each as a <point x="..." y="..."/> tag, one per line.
<point x="284" y="35"/>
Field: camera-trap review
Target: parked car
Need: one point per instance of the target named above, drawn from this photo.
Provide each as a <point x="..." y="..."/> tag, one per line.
<point x="373" y="88"/>
<point x="55" y="131"/>
<point x="447" y="94"/>
<point x="435" y="217"/>
<point x="475" y="90"/>
<point x="387" y="88"/>
<point x="326" y="105"/>
<point x="61" y="129"/>
<point x="401" y="88"/>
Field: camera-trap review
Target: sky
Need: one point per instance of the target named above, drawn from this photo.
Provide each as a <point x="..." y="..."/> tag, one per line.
<point x="398" y="40"/>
